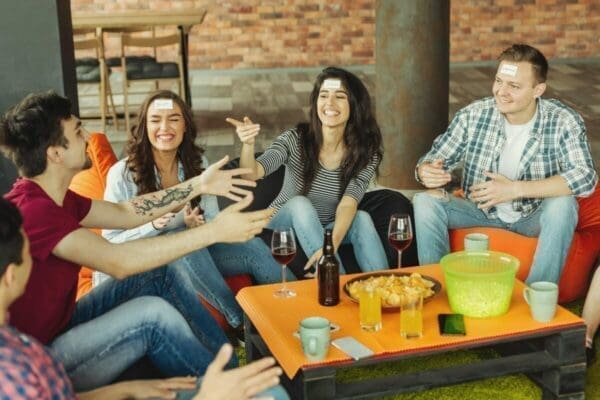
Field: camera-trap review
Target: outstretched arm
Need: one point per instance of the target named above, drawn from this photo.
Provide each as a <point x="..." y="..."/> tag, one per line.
<point x="143" y="389"/>
<point x="121" y="260"/>
<point x="247" y="132"/>
<point x="145" y="208"/>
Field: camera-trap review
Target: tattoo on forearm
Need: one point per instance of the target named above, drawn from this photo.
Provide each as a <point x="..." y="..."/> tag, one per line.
<point x="146" y="204"/>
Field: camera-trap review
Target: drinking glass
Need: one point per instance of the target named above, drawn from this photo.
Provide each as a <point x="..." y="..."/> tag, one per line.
<point x="400" y="233"/>
<point x="411" y="316"/>
<point x="283" y="249"/>
<point x="370" y="310"/>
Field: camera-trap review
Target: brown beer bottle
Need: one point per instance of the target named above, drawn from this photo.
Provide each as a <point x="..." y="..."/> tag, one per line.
<point x="328" y="271"/>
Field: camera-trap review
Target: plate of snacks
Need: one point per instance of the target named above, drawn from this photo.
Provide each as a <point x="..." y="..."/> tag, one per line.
<point x="393" y="287"/>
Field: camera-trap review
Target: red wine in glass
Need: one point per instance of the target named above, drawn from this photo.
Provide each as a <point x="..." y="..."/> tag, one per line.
<point x="283" y="249"/>
<point x="400" y="233"/>
<point x="283" y="255"/>
<point x="400" y="241"/>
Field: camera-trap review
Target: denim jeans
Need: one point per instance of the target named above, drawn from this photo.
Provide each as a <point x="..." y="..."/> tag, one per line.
<point x="157" y="313"/>
<point x="553" y="223"/>
<point x="300" y="214"/>
<point x="207" y="267"/>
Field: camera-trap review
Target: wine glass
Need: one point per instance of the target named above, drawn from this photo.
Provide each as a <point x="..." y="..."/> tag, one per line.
<point x="283" y="249"/>
<point x="400" y="233"/>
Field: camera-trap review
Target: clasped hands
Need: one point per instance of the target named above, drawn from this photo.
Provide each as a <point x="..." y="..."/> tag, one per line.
<point x="498" y="189"/>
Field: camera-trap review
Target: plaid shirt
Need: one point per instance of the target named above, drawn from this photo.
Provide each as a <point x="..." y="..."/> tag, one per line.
<point x="27" y="371"/>
<point x="558" y="145"/>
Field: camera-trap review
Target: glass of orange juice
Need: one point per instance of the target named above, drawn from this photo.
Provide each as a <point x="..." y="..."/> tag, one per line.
<point x="411" y="316"/>
<point x="370" y="309"/>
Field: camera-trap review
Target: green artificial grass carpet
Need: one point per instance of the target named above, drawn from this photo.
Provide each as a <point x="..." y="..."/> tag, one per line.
<point x="510" y="387"/>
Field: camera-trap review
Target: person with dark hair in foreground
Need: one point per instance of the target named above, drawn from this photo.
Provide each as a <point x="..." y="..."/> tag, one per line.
<point x="147" y="310"/>
<point x="525" y="159"/>
<point x="28" y="370"/>
<point x="330" y="163"/>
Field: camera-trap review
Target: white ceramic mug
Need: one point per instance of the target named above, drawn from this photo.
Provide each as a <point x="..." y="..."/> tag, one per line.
<point x="477" y="242"/>
<point x="542" y="298"/>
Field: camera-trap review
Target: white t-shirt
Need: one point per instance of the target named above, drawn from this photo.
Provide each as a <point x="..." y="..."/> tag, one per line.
<point x="510" y="158"/>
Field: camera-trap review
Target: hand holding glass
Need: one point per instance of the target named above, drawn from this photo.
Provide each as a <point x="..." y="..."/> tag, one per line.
<point x="400" y="233"/>
<point x="283" y="249"/>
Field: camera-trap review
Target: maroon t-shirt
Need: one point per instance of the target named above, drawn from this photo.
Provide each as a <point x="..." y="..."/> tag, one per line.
<point x="49" y="299"/>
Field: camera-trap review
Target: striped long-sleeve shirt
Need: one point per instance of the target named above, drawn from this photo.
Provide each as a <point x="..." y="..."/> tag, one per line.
<point x="558" y="145"/>
<point x="325" y="189"/>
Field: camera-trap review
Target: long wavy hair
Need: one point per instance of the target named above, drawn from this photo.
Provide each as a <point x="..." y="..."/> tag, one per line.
<point x="362" y="136"/>
<point x="139" y="149"/>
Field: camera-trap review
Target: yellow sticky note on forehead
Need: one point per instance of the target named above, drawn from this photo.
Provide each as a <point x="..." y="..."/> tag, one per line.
<point x="332" y="84"/>
<point x="163" y="104"/>
<point x="509" y="69"/>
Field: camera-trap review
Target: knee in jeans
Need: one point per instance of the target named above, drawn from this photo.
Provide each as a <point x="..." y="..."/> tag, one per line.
<point x="155" y="309"/>
<point x="561" y="209"/>
<point x="299" y="203"/>
<point x="363" y="218"/>
<point x="424" y="201"/>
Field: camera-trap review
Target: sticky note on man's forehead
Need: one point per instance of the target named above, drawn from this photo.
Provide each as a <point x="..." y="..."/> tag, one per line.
<point x="509" y="69"/>
<point x="332" y="84"/>
<point x="163" y="104"/>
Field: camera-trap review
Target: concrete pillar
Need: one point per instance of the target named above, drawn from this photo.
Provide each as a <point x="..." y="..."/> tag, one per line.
<point x="412" y="74"/>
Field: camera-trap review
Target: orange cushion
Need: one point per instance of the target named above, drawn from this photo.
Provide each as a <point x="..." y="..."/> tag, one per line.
<point x="580" y="260"/>
<point x="91" y="183"/>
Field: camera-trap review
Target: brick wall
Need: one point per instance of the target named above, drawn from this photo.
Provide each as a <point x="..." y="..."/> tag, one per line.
<point x="296" y="33"/>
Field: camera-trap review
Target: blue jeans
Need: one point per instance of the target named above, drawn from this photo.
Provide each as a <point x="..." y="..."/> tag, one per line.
<point x="553" y="223"/>
<point x="300" y="214"/>
<point x="156" y="313"/>
<point x="207" y="267"/>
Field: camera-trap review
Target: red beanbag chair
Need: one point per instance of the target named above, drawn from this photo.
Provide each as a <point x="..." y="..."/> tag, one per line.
<point x="580" y="260"/>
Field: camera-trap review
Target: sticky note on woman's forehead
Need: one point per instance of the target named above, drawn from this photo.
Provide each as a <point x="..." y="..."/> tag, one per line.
<point x="509" y="69"/>
<point x="163" y="104"/>
<point x="332" y="84"/>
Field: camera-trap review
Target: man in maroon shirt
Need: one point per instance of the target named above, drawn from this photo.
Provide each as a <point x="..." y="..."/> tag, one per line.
<point x="147" y="310"/>
<point x="28" y="371"/>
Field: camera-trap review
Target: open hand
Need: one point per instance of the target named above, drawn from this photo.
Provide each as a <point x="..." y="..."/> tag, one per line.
<point x="237" y="226"/>
<point x="246" y="130"/>
<point x="160" y="222"/>
<point x="499" y="189"/>
<point x="222" y="182"/>
<point x="311" y="261"/>
<point x="192" y="217"/>
<point x="157" y="388"/>
<point x="433" y="175"/>
<point x="239" y="383"/>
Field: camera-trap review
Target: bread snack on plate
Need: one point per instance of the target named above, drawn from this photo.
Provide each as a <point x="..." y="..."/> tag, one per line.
<point x="394" y="289"/>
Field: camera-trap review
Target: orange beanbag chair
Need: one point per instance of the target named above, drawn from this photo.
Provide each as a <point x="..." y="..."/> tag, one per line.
<point x="92" y="182"/>
<point x="580" y="260"/>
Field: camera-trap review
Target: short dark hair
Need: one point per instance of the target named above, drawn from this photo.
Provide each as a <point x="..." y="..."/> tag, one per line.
<point x="30" y="127"/>
<point x="524" y="52"/>
<point x="11" y="238"/>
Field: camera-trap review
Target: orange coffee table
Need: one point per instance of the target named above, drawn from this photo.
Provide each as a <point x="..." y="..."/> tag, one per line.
<point x="552" y="354"/>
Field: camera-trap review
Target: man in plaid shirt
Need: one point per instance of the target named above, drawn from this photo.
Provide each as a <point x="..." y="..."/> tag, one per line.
<point x="524" y="160"/>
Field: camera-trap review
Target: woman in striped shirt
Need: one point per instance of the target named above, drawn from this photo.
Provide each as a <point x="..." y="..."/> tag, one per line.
<point x="329" y="164"/>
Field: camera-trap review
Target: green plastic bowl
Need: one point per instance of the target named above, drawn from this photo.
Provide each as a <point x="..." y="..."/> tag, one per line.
<point x="479" y="283"/>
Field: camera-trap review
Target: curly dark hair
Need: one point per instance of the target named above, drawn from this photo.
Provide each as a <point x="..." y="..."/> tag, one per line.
<point x="11" y="238"/>
<point x="30" y="127"/>
<point x="362" y="136"/>
<point x="139" y="149"/>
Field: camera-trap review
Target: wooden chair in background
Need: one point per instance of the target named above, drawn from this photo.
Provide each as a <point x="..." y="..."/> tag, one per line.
<point x="93" y="70"/>
<point x="149" y="69"/>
